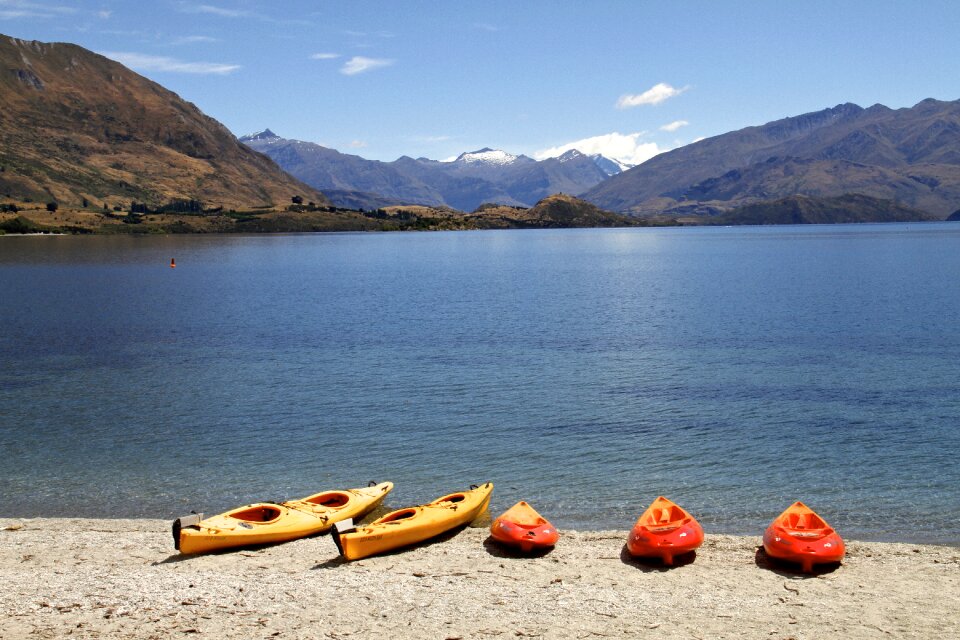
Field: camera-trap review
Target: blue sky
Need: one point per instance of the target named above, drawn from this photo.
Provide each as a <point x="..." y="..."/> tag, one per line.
<point x="433" y="79"/>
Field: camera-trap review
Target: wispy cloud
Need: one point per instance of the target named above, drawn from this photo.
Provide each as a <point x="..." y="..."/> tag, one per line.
<point x="13" y="9"/>
<point x="365" y="34"/>
<point x="358" y="144"/>
<point x="143" y="62"/>
<point x="213" y="10"/>
<point x="627" y="148"/>
<point x="324" y="56"/>
<point x="654" y="95"/>
<point x="360" y="64"/>
<point x="430" y="139"/>
<point x="194" y="39"/>
<point x="673" y="126"/>
<point x="104" y="14"/>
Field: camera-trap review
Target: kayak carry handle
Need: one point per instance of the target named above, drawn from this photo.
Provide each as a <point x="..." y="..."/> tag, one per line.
<point x="191" y="520"/>
<point x="344" y="526"/>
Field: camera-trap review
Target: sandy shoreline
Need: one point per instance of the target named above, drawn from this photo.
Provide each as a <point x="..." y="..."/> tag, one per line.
<point x="122" y="578"/>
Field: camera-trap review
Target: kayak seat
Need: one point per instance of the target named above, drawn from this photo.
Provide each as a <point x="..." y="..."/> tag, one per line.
<point x="399" y="515"/>
<point x="261" y="513"/>
<point x="331" y="500"/>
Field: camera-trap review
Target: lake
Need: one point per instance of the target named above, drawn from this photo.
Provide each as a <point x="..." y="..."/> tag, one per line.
<point x="733" y="370"/>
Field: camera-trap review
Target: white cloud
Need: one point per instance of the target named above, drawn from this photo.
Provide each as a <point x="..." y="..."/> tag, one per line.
<point x="105" y="14"/>
<point x="673" y="126"/>
<point x="324" y="56"/>
<point x="217" y="11"/>
<point x="194" y="39"/>
<point x="11" y="9"/>
<point x="654" y="95"/>
<point x="360" y="64"/>
<point x="358" y="144"/>
<point x="627" y="148"/>
<point x="363" y="34"/>
<point x="143" y="62"/>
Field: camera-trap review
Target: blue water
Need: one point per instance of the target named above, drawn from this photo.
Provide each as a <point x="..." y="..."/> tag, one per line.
<point x="587" y="371"/>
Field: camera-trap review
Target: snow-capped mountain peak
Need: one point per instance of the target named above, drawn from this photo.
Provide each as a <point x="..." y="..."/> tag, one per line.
<point x="610" y="166"/>
<point x="487" y="156"/>
<point x="265" y="136"/>
<point x="573" y="154"/>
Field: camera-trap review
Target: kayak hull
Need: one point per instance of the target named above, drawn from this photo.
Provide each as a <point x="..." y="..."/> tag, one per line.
<point x="270" y="523"/>
<point x="412" y="525"/>
<point x="523" y="528"/>
<point x="799" y="535"/>
<point x="664" y="531"/>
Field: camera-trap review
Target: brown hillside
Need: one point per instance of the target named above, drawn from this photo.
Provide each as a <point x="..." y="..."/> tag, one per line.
<point x="556" y="211"/>
<point x="910" y="156"/>
<point x="75" y="125"/>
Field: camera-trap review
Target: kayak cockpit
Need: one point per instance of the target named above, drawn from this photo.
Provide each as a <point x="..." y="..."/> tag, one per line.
<point x="396" y="516"/>
<point x="257" y="513"/>
<point x="669" y="517"/>
<point x="330" y="499"/>
<point x="804" y="521"/>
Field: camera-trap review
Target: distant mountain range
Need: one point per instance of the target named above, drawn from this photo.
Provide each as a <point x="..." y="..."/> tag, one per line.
<point x="474" y="178"/>
<point x="906" y="157"/>
<point x="85" y="132"/>
<point x="81" y="130"/>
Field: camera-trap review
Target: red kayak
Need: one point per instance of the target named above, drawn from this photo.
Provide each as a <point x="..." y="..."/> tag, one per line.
<point x="521" y="526"/>
<point x="663" y="531"/>
<point x="800" y="535"/>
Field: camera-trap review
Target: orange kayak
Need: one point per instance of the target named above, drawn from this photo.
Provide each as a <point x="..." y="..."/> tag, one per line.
<point x="663" y="531"/>
<point x="800" y="535"/>
<point x="521" y="526"/>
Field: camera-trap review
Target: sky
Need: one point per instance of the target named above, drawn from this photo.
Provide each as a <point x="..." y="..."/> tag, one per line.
<point x="628" y="79"/>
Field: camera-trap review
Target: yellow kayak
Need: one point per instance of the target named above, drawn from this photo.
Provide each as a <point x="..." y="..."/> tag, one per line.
<point x="267" y="522"/>
<point x="412" y="525"/>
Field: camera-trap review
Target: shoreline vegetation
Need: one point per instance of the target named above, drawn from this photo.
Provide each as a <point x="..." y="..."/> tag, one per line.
<point x="553" y="212"/>
<point x="559" y="211"/>
<point x="122" y="578"/>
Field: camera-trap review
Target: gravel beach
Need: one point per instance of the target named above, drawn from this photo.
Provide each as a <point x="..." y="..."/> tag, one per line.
<point x="122" y="578"/>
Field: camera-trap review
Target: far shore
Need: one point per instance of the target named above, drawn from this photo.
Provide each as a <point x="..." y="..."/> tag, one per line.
<point x="122" y="578"/>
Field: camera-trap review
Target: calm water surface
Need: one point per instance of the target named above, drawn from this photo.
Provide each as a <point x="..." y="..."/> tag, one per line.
<point x="587" y="371"/>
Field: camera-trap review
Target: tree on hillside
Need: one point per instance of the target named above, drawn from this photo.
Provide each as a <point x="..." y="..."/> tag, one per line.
<point x="52" y="206"/>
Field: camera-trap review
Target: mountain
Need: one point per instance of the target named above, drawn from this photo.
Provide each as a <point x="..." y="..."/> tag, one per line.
<point x="76" y="127"/>
<point x="807" y="210"/>
<point x="473" y="178"/>
<point x="907" y="156"/>
<point x="609" y="166"/>
<point x="328" y="169"/>
<point x="490" y="157"/>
